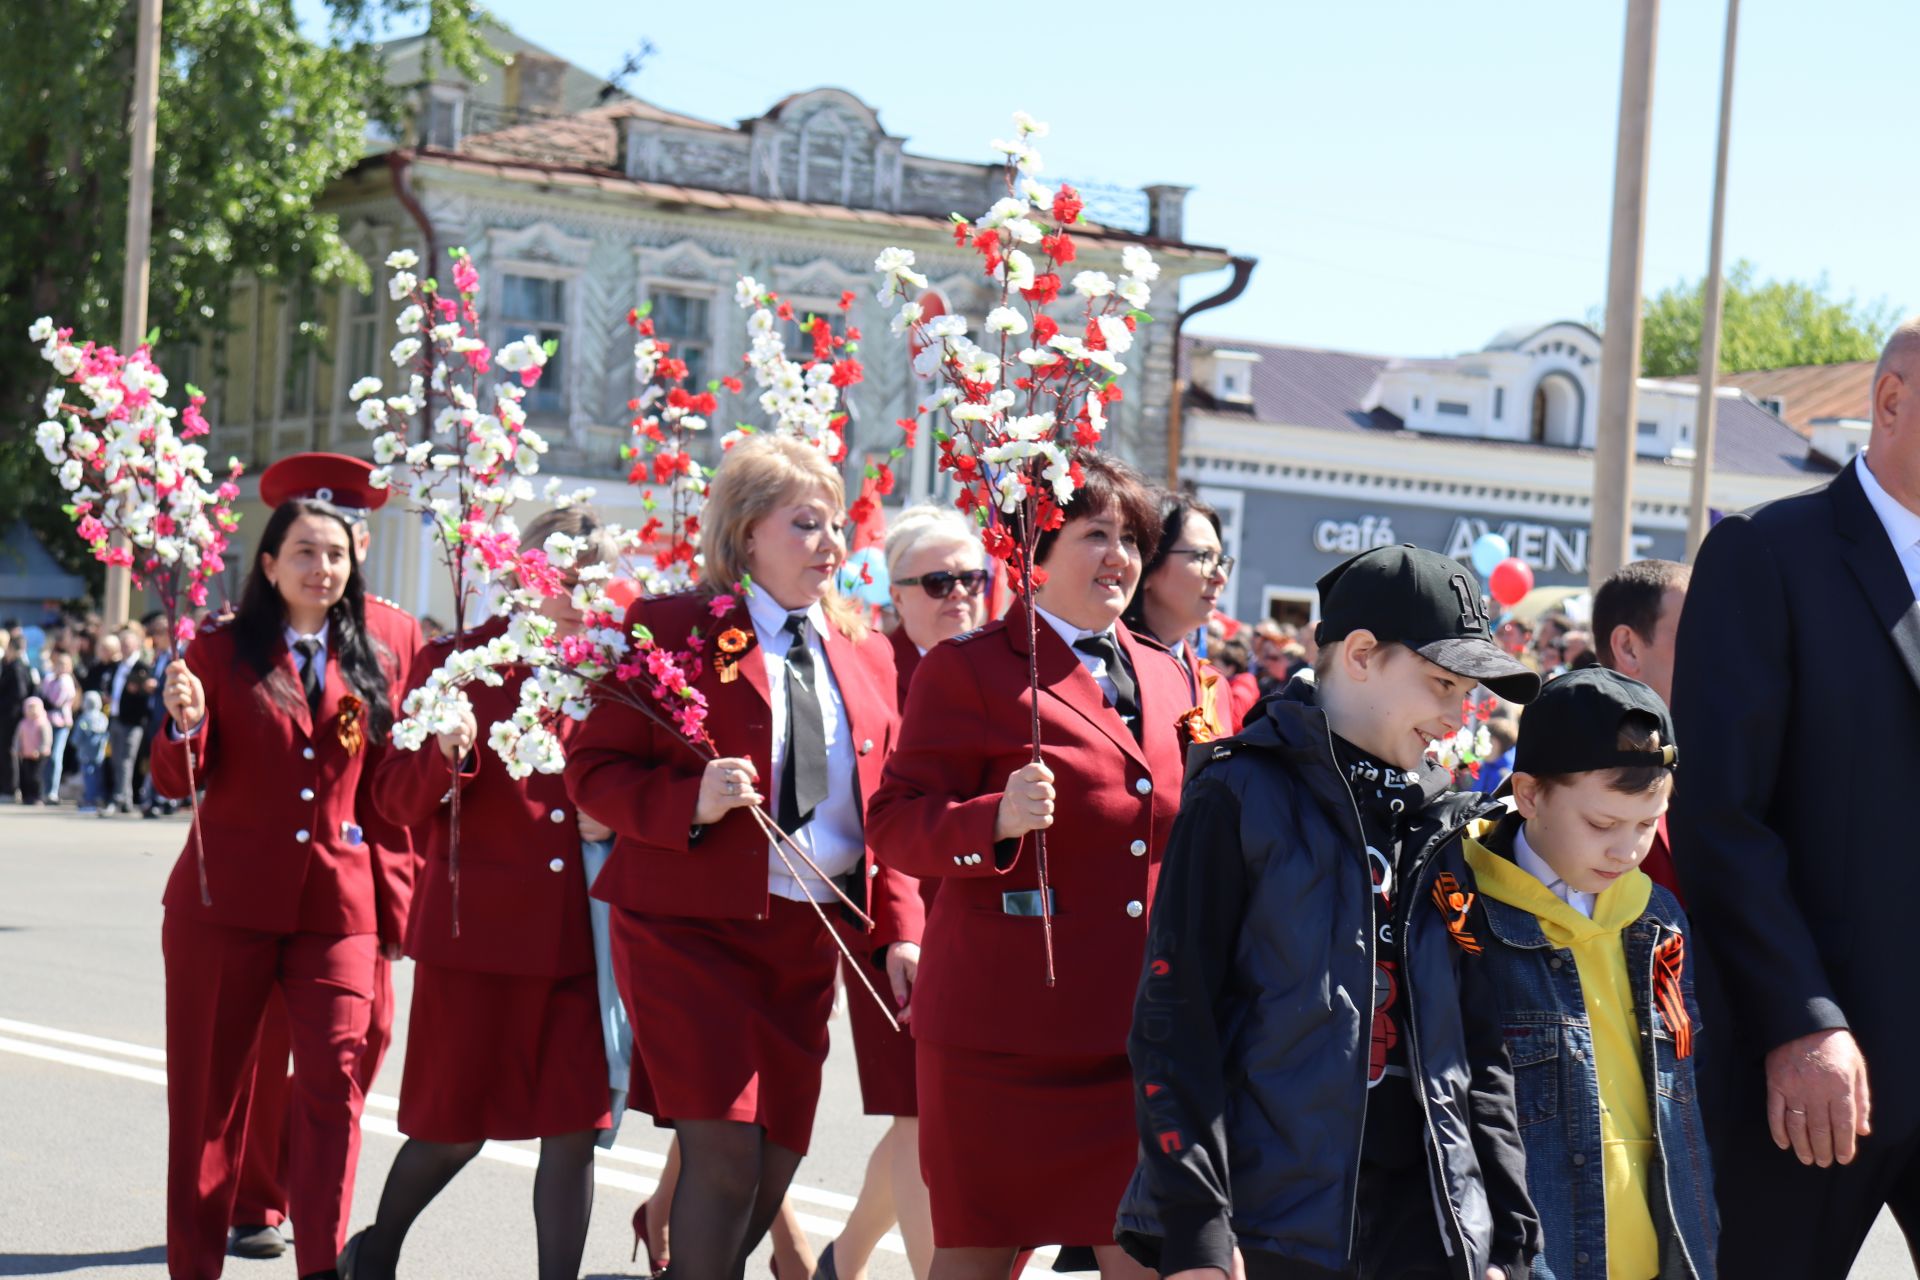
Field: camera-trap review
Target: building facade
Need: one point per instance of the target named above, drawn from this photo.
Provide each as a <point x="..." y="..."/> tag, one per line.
<point x="573" y="215"/>
<point x="1312" y="455"/>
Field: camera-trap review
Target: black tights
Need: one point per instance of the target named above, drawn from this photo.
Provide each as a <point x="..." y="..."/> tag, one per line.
<point x="562" y="1201"/>
<point x="732" y="1181"/>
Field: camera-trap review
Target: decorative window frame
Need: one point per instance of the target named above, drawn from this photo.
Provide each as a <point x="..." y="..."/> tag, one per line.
<point x="372" y="241"/>
<point x="543" y="251"/>
<point x="287" y="327"/>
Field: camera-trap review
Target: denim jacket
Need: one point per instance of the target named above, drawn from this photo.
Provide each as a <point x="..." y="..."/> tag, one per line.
<point x="1557" y="1092"/>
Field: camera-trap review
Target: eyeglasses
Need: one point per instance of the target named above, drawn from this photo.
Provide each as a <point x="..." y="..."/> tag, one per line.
<point x="940" y="584"/>
<point x="1207" y="562"/>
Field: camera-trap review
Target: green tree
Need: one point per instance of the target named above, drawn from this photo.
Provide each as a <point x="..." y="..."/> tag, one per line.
<point x="1767" y="325"/>
<point x="255" y="120"/>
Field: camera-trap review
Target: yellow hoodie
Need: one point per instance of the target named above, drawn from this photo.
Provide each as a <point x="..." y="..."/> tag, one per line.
<point x="1600" y="959"/>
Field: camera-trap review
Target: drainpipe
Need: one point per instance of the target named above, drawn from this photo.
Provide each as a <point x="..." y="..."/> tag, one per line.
<point x="399" y="163"/>
<point x="1242" y="273"/>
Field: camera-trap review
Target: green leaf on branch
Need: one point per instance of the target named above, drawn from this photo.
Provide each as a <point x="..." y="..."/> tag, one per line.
<point x="551" y="346"/>
<point x="1139" y="317"/>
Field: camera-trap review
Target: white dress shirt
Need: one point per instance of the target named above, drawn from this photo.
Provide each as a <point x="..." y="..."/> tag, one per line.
<point x="1901" y="523"/>
<point x="120" y="675"/>
<point x="1536" y="865"/>
<point x="1095" y="664"/>
<point x="832" y="837"/>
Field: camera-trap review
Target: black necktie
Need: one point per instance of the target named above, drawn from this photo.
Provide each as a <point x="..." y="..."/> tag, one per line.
<point x="309" y="650"/>
<point x="803" y="779"/>
<point x="1126" y="696"/>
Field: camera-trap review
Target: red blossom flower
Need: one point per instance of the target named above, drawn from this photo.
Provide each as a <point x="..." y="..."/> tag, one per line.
<point x="1067" y="205"/>
<point x="1059" y="246"/>
<point x="1045" y="328"/>
<point x="846" y="300"/>
<point x="1045" y="288"/>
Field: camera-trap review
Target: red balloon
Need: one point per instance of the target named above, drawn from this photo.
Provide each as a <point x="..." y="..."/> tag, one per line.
<point x="1510" y="581"/>
<point x="623" y="591"/>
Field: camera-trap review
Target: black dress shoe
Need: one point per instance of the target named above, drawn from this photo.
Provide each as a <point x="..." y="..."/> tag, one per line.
<point x="824" y="1269"/>
<point x="256" y="1242"/>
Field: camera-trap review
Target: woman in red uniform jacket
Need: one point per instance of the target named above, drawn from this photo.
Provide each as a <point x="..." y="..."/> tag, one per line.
<point x="938" y="579"/>
<point x="283" y="709"/>
<point x="1026" y="1097"/>
<point x="726" y="970"/>
<point x="1179" y="590"/>
<point x="504" y="1035"/>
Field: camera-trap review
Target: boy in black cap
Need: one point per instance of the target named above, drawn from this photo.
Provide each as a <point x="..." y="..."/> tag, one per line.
<point x="1320" y="1074"/>
<point x="1602" y="1047"/>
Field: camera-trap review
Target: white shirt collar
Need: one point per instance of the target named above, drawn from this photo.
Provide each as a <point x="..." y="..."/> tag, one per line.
<point x="295" y="637"/>
<point x="770" y="616"/>
<point x="1902" y="524"/>
<point x="1536" y="866"/>
<point x="1066" y="630"/>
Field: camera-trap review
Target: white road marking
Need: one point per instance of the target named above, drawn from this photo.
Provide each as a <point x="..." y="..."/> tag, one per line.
<point x="63" y="1047"/>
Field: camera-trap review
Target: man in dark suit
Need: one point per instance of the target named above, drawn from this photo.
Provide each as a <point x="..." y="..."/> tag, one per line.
<point x="129" y="692"/>
<point x="1797" y="704"/>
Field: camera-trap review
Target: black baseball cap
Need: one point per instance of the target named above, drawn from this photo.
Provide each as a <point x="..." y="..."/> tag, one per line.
<point x="1574" y="725"/>
<point x="1428" y="602"/>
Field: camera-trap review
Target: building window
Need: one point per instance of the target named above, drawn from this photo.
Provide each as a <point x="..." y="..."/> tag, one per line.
<point x="363" y="335"/>
<point x="537" y="305"/>
<point x="799" y="339"/>
<point x="1648" y="429"/>
<point x="681" y="319"/>
<point x="1499" y="403"/>
<point x="1416" y="404"/>
<point x="296" y="378"/>
<point x="1686" y="432"/>
<point x="1452" y="408"/>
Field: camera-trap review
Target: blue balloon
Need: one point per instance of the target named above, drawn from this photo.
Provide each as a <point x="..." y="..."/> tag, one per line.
<point x="1489" y="549"/>
<point x="855" y="584"/>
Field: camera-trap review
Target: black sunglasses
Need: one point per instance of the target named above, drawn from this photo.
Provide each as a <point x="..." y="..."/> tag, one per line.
<point x="940" y="584"/>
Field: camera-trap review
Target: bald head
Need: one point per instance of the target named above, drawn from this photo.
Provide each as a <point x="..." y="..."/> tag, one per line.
<point x="1894" y="446"/>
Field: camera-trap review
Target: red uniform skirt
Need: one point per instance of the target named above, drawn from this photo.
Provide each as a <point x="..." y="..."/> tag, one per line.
<point x="730" y="1016"/>
<point x="1024" y="1149"/>
<point x="885" y="1056"/>
<point x="495" y="1055"/>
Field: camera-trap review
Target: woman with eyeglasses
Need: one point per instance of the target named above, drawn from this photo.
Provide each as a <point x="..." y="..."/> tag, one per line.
<point x="1178" y="592"/>
<point x="1026" y="1097"/>
<point x="937" y="576"/>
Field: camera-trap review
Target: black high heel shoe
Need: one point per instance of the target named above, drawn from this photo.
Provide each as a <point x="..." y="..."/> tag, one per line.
<point x="350" y="1255"/>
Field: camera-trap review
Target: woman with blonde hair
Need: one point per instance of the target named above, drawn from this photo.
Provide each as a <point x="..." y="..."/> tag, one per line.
<point x="727" y="971"/>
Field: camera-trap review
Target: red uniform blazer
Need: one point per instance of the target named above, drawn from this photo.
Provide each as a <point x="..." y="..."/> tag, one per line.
<point x="1658" y="863"/>
<point x="643" y="780"/>
<point x="906" y="660"/>
<point x="523" y="889"/>
<point x="398" y="865"/>
<point x="982" y="978"/>
<point x="279" y="818"/>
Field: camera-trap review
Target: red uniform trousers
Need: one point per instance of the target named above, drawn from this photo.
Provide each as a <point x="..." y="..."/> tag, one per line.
<point x="219" y="983"/>
<point x="263" y="1159"/>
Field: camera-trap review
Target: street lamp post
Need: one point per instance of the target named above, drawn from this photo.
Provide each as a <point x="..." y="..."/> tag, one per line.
<point x="1710" y="311"/>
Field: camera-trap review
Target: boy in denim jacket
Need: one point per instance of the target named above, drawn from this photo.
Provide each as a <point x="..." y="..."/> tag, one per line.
<point x="1589" y="958"/>
<point x="90" y="750"/>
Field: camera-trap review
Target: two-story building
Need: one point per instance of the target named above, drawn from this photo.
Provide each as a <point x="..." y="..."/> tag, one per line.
<point x="577" y="205"/>
<point x="1314" y="455"/>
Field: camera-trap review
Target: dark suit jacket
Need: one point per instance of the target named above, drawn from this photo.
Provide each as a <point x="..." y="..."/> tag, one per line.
<point x="1797" y="707"/>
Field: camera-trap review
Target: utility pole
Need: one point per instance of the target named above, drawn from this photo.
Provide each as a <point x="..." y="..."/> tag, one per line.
<point x="1610" y="543"/>
<point x="1703" y="421"/>
<point x="133" y="296"/>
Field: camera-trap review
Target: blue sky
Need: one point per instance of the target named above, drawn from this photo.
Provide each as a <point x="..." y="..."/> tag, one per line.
<point x="1413" y="176"/>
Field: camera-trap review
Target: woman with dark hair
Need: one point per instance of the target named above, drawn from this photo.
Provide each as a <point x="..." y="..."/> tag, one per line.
<point x="1026" y="1106"/>
<point x="282" y="710"/>
<point x="515" y="988"/>
<point x="726" y="970"/>
<point x="1179" y="590"/>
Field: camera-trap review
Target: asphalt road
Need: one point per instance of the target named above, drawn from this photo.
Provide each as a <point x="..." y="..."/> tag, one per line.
<point x="83" y="1107"/>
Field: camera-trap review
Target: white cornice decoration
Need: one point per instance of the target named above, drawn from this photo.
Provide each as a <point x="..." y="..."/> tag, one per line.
<point x="540" y="242"/>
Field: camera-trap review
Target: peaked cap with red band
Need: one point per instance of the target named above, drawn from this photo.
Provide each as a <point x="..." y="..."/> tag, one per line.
<point x="330" y="477"/>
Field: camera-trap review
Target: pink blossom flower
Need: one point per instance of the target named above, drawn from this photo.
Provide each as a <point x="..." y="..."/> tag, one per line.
<point x="721" y="606"/>
<point x="465" y="278"/>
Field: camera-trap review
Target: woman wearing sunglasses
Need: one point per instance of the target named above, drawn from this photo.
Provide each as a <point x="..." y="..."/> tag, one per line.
<point x="1178" y="592"/>
<point x="1027" y="1131"/>
<point x="938" y="575"/>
